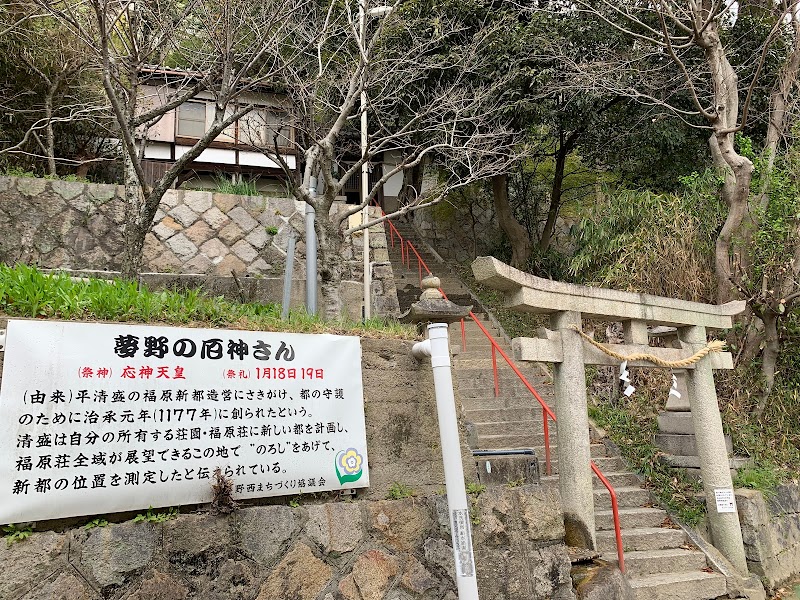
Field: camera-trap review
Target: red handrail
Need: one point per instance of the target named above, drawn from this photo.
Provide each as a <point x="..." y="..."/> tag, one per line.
<point x="546" y="411"/>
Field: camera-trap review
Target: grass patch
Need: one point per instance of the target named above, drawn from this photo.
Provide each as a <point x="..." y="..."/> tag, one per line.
<point x="773" y="441"/>
<point x="152" y="516"/>
<point x="27" y="292"/>
<point x="475" y="489"/>
<point x="764" y="478"/>
<point x="398" y="491"/>
<point x="16" y="533"/>
<point x="238" y="188"/>
<point x="20" y="172"/>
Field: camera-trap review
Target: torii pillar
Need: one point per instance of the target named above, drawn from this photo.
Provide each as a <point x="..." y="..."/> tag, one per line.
<point x="567" y="304"/>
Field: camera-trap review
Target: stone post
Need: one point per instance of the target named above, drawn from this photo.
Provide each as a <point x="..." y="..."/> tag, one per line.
<point x="726" y="532"/>
<point x="574" y="453"/>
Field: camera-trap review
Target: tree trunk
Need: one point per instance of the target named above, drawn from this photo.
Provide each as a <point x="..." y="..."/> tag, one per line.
<point x="739" y="172"/>
<point x="517" y="234"/>
<point x="49" y="135"/>
<point x="738" y="169"/>
<point x="134" y="233"/>
<point x="412" y="185"/>
<point x="331" y="265"/>
<point x="555" y="196"/>
<point x="769" y="358"/>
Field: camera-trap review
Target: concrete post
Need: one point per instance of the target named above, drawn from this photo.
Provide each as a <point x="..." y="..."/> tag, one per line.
<point x="726" y="532"/>
<point x="574" y="453"/>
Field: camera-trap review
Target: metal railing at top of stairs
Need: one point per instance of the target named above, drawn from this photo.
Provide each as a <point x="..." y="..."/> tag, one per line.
<point x="406" y="248"/>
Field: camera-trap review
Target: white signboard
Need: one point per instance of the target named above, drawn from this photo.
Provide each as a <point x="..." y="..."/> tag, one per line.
<point x="98" y="418"/>
<point x="725" y="499"/>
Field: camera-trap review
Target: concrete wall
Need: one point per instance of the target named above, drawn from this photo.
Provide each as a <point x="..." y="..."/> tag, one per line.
<point x="771" y="533"/>
<point x="326" y="548"/>
<point x="72" y="225"/>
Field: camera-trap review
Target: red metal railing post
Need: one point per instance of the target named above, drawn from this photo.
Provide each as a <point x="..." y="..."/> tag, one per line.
<point x="494" y="370"/>
<point x="546" y="429"/>
<point x="463" y="336"/>
<point x="615" y="512"/>
<point x="419" y="268"/>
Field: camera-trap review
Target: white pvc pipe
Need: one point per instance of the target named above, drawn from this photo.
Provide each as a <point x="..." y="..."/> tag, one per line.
<point x="437" y="346"/>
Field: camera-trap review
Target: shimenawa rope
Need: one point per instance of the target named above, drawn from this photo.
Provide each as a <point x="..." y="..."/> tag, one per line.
<point x="712" y="346"/>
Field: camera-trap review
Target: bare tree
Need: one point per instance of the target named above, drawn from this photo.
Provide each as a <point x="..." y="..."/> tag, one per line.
<point x="773" y="296"/>
<point x="223" y="49"/>
<point x="690" y="35"/>
<point x="427" y="103"/>
<point x="47" y="87"/>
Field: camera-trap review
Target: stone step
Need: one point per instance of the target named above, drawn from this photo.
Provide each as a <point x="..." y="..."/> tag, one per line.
<point x="615" y="478"/>
<point x="531" y="427"/>
<point x="644" y="538"/>
<point x="496" y="442"/>
<point x="627" y="497"/>
<point x="482" y="389"/>
<point x="684" y="585"/>
<point x="476" y="335"/>
<point x="651" y="562"/>
<point x="683" y="445"/>
<point x="475" y="351"/>
<point x="501" y="403"/>
<point x="693" y="462"/>
<point x="507" y="380"/>
<point x="482" y="392"/>
<point x="503" y="441"/>
<point x="484" y="364"/>
<point x="606" y="464"/>
<point x="481" y="416"/>
<point x="629" y="517"/>
<point x="479" y="344"/>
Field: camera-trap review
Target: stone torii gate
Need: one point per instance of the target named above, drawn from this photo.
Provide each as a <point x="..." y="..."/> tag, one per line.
<point x="563" y="345"/>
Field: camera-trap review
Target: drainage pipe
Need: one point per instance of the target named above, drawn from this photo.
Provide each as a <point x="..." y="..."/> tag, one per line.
<point x="437" y="346"/>
<point x="311" y="252"/>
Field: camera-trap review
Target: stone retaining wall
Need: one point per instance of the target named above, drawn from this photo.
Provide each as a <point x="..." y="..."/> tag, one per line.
<point x="325" y="548"/>
<point x="771" y="533"/>
<point x="463" y="230"/>
<point x="363" y="550"/>
<point x="78" y="226"/>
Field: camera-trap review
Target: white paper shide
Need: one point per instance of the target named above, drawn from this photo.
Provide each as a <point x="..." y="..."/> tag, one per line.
<point x="98" y="418"/>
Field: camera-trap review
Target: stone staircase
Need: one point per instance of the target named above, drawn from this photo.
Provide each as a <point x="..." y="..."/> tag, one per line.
<point x="660" y="562"/>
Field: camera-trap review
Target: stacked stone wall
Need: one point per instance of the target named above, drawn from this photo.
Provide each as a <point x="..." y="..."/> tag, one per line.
<point x="361" y="550"/>
<point x="78" y="226"/>
<point x="460" y="232"/>
<point x="771" y="533"/>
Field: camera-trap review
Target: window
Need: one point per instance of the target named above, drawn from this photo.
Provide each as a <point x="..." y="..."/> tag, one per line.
<point x="277" y="124"/>
<point x="258" y="129"/>
<point x="192" y="119"/>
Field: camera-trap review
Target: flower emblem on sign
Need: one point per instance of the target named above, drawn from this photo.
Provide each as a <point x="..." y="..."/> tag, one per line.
<point x="348" y="465"/>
